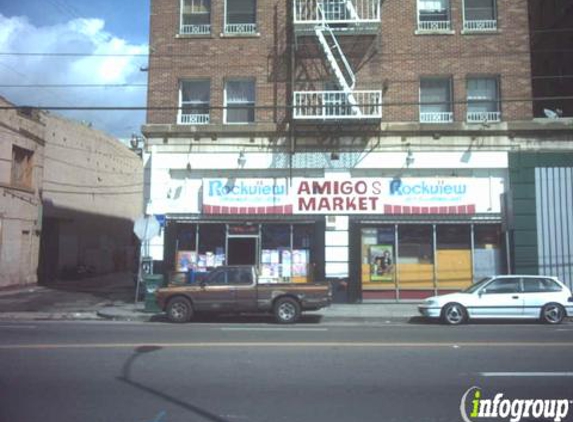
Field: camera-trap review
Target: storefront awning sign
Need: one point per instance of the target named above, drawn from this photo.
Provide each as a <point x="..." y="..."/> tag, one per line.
<point x="455" y="195"/>
<point x="246" y="196"/>
<point x="397" y="196"/>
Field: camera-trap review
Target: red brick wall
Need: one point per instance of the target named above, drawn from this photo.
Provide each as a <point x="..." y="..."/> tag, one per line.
<point x="396" y="58"/>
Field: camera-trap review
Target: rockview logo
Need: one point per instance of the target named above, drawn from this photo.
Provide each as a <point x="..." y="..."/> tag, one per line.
<point x="514" y="410"/>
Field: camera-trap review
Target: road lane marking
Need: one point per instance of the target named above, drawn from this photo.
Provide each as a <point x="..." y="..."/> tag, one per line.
<point x="47" y="346"/>
<point x="526" y="374"/>
<point x="275" y="329"/>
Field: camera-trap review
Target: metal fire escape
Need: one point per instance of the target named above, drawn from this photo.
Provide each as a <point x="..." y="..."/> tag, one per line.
<point x="328" y="19"/>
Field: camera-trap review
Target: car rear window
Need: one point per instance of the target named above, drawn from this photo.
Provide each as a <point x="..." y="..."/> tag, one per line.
<point x="537" y="285"/>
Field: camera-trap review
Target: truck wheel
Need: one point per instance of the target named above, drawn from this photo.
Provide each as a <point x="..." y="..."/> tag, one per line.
<point x="179" y="310"/>
<point x="286" y="310"/>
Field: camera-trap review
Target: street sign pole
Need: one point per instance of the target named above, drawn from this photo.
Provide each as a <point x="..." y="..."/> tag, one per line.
<point x="145" y="228"/>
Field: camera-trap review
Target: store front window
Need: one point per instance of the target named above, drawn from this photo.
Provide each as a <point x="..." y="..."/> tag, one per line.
<point x="415" y="257"/>
<point x="282" y="252"/>
<point x="211" y="252"/>
<point x="454" y="256"/>
<point x="488" y="259"/>
<point x="378" y="258"/>
<point x="419" y="260"/>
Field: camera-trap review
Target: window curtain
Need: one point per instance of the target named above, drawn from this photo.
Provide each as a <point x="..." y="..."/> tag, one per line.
<point x="240" y="92"/>
<point x="241" y="11"/>
<point x="477" y="10"/>
<point x="196" y="91"/>
<point x="433" y="5"/>
<point x="437" y="92"/>
<point x="482" y="94"/>
<point x="196" y="6"/>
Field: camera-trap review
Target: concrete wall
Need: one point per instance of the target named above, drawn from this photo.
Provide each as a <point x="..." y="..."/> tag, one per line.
<point x="93" y="191"/>
<point x="19" y="206"/>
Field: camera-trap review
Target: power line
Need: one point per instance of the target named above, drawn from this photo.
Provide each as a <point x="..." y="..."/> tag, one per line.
<point x="142" y="85"/>
<point x="72" y="85"/>
<point x="275" y="107"/>
<point x="471" y="54"/>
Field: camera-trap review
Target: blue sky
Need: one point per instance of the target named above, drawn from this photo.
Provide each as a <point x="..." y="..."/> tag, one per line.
<point x="128" y="19"/>
<point x="110" y="35"/>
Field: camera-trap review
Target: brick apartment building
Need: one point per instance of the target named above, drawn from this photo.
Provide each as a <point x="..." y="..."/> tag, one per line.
<point x="363" y="141"/>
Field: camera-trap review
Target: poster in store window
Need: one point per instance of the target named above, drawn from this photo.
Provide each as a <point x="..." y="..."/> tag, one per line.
<point x="186" y="260"/>
<point x="286" y="263"/>
<point x="300" y="262"/>
<point x="382" y="263"/>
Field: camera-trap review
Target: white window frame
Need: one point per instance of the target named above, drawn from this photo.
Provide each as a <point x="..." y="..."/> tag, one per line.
<point x="193" y="118"/>
<point x="480" y="116"/>
<point x="246" y="28"/>
<point x="437" y="116"/>
<point x="480" y="25"/>
<point x="226" y="103"/>
<point x="434" y="26"/>
<point x="194" y="29"/>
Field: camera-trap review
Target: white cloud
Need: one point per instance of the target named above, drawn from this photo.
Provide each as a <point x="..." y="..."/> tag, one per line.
<point x="109" y="60"/>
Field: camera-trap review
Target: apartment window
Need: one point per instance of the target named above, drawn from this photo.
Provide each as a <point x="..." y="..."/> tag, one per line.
<point x="483" y="100"/>
<point x="434" y="15"/>
<point x="436" y="100"/>
<point x="240" y="101"/>
<point x="240" y="17"/>
<point x="194" y="102"/>
<point x="195" y="17"/>
<point x="480" y="15"/>
<point x="22" y="168"/>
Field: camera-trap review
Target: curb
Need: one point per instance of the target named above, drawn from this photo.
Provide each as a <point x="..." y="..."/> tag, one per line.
<point x="49" y="316"/>
<point x="117" y="314"/>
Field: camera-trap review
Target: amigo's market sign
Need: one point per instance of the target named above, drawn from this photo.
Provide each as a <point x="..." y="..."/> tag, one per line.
<point x="397" y="196"/>
<point x="353" y="196"/>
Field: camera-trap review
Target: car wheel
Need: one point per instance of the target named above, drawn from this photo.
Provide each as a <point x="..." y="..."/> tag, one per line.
<point x="552" y="313"/>
<point x="454" y="314"/>
<point x="179" y="310"/>
<point x="286" y="310"/>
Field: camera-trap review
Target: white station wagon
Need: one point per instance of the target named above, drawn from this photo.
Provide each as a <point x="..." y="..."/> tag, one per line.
<point x="504" y="296"/>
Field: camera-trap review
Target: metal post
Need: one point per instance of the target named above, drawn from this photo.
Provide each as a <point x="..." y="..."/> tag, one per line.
<point x="435" y="257"/>
<point x="141" y="249"/>
<point x="396" y="272"/>
<point x="507" y="253"/>
<point x="472" y="257"/>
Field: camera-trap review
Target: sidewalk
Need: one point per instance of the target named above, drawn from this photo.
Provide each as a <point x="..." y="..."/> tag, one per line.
<point x="370" y="312"/>
<point x="112" y="297"/>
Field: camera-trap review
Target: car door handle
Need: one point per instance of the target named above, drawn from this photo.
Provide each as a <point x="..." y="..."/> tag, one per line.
<point x="515" y="297"/>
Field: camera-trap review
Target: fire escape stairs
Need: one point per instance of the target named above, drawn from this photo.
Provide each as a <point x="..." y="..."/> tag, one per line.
<point x="337" y="61"/>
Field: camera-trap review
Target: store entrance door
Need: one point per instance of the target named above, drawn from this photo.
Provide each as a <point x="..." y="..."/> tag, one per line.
<point x="242" y="250"/>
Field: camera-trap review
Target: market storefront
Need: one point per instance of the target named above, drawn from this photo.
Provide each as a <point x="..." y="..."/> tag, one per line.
<point x="283" y="252"/>
<point x="417" y="259"/>
<point x="404" y="237"/>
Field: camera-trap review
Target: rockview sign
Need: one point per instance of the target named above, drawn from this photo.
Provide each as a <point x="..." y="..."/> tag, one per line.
<point x="353" y="196"/>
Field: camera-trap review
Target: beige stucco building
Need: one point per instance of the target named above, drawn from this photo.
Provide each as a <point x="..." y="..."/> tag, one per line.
<point x="69" y="196"/>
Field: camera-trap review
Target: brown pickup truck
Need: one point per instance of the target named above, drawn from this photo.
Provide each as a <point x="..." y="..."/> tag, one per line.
<point x="236" y="289"/>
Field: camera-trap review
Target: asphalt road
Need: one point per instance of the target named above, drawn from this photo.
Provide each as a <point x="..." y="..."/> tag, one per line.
<point x="129" y="372"/>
